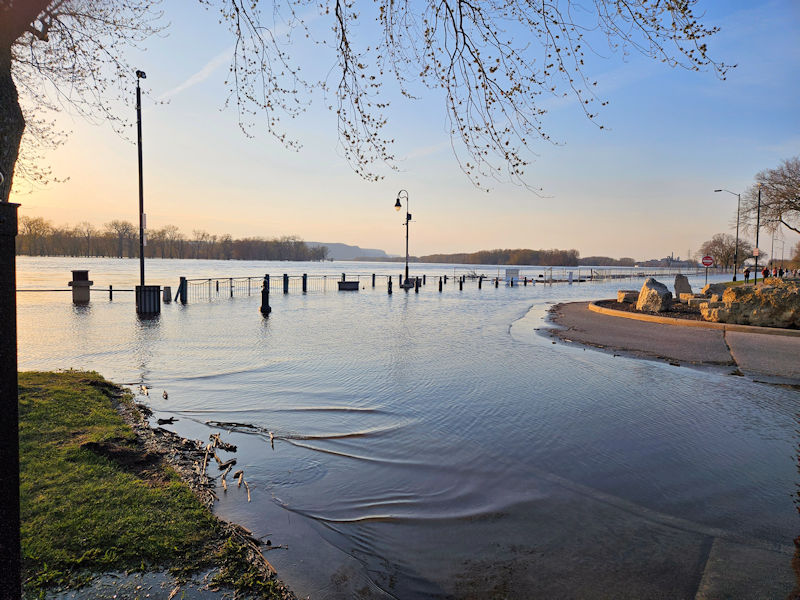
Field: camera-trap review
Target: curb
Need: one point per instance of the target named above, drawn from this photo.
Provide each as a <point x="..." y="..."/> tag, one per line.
<point x="689" y="323"/>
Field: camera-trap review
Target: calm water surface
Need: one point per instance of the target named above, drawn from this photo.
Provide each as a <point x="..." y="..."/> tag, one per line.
<point x="437" y="445"/>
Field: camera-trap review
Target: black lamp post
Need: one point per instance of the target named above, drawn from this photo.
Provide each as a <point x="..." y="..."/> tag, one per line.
<point x="758" y="226"/>
<point x="736" y="249"/>
<point x="140" y="75"/>
<point x="402" y="194"/>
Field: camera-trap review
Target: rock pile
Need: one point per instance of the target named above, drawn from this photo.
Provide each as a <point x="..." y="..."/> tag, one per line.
<point x="773" y="304"/>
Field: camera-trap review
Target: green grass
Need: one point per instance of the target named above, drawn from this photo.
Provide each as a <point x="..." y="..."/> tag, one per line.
<point x="82" y="513"/>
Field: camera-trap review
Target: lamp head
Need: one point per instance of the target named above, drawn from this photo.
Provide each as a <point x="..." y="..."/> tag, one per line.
<point x="141" y="75"/>
<point x="397" y="204"/>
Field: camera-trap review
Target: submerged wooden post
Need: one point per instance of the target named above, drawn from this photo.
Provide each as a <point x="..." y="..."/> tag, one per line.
<point x="110" y="292"/>
<point x="424" y="279"/>
<point x="416" y="285"/>
<point x="182" y="290"/>
<point x="285" y="283"/>
<point x="496" y="282"/>
<point x="305" y="282"/>
<point x="230" y="285"/>
<point x="390" y="285"/>
<point x="445" y="279"/>
<point x="460" y="285"/>
<point x="265" y="307"/>
<point x="480" y="281"/>
<point x="373" y="280"/>
<point x="216" y="281"/>
<point x="440" y="283"/>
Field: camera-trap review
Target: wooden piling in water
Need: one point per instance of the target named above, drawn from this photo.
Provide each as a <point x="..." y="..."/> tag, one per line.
<point x="110" y="292"/>
<point x="423" y="279"/>
<point x="305" y="282"/>
<point x="496" y="282"/>
<point x="480" y="281"/>
<point x="416" y="285"/>
<point x="440" y="283"/>
<point x="182" y="293"/>
<point x="373" y="280"/>
<point x="460" y="285"/>
<point x="390" y="285"/>
<point x="285" y="283"/>
<point x="230" y="285"/>
<point x="265" y="307"/>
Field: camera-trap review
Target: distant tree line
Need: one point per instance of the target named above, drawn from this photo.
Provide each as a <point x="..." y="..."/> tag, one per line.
<point x="508" y="257"/>
<point x="39" y="237"/>
<point x="606" y="261"/>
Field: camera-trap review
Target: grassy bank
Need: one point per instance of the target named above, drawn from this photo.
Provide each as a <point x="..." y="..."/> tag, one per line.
<point x="95" y="500"/>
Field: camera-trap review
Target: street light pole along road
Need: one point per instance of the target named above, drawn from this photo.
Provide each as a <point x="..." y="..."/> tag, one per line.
<point x="736" y="249"/>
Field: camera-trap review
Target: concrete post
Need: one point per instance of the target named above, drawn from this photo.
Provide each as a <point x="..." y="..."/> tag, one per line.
<point x="167" y="294"/>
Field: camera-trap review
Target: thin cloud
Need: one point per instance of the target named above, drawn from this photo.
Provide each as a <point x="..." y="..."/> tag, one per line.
<point x="201" y="75"/>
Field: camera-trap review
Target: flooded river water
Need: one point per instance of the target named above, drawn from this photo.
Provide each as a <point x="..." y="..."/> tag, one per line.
<point x="437" y="445"/>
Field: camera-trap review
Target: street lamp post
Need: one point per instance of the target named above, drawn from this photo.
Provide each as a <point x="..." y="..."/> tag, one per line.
<point x="758" y="226"/>
<point x="402" y="194"/>
<point x="736" y="249"/>
<point x="140" y="75"/>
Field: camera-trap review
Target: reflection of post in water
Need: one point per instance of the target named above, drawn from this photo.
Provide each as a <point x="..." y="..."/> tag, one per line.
<point x="147" y="334"/>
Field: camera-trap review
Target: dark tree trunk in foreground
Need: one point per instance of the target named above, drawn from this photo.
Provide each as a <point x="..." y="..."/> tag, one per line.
<point x="12" y="124"/>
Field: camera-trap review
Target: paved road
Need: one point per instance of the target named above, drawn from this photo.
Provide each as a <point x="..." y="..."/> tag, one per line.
<point x="758" y="355"/>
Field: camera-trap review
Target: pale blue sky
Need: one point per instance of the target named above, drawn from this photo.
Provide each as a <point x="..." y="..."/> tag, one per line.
<point x="642" y="187"/>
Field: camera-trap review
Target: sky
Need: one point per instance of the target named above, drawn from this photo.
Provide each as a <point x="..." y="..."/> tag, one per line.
<point x="643" y="186"/>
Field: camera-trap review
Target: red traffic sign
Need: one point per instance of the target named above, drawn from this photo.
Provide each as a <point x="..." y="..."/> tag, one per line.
<point x="707" y="261"/>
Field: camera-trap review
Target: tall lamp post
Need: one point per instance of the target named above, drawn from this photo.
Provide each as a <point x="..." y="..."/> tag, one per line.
<point x="736" y="249"/>
<point x="758" y="226"/>
<point x="402" y="194"/>
<point x="140" y="75"/>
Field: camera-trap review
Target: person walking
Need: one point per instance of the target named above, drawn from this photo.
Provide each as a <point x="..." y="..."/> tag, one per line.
<point x="747" y="274"/>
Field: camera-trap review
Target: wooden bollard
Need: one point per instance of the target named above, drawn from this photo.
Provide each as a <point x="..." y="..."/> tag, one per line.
<point x="460" y="285"/>
<point x="416" y="285"/>
<point x="373" y="280"/>
<point x="445" y="279"/>
<point x="480" y="281"/>
<point x="390" y="285"/>
<point x="285" y="283"/>
<point x="305" y="282"/>
<point x="265" y="307"/>
<point x="182" y="293"/>
<point x="110" y="292"/>
<point x="423" y="279"/>
<point x="440" y="284"/>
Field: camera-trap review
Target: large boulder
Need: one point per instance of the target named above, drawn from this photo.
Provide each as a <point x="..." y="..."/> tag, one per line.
<point x="714" y="288"/>
<point x="682" y="286"/>
<point x="767" y="306"/>
<point x="654" y="296"/>
<point x="627" y="296"/>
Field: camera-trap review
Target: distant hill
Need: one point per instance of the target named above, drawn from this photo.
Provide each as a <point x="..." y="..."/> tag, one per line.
<point x="338" y="251"/>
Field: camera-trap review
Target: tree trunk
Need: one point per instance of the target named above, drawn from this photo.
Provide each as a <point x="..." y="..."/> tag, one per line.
<point x="12" y="124"/>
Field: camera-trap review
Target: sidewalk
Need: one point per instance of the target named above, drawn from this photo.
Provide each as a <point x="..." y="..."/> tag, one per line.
<point x="756" y="354"/>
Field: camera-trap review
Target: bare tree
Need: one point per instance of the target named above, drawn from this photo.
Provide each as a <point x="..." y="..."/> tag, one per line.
<point x="87" y="231"/>
<point x="780" y="197"/>
<point x="123" y="231"/>
<point x="722" y="248"/>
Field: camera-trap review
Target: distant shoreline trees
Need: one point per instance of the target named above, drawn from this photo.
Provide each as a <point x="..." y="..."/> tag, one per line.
<point x="526" y="256"/>
<point x="120" y="239"/>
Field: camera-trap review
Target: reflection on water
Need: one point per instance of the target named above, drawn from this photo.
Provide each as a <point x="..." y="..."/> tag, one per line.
<point x="433" y="445"/>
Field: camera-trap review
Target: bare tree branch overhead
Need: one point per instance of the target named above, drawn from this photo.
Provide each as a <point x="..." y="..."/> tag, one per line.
<point x="492" y="62"/>
<point x="780" y="197"/>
